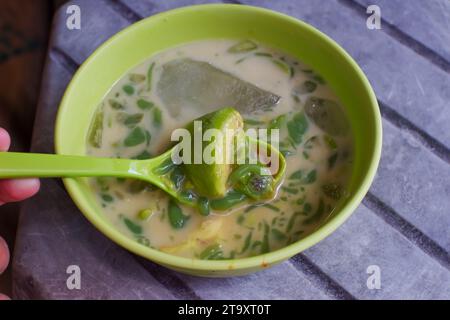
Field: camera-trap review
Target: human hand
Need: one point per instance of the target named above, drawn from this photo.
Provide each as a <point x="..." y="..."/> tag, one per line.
<point x="12" y="190"/>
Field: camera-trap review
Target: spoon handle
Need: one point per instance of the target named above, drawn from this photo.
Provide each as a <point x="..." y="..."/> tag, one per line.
<point x="21" y="165"/>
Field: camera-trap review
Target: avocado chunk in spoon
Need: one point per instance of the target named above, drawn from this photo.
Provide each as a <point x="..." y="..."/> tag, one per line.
<point x="228" y="182"/>
<point x="210" y="180"/>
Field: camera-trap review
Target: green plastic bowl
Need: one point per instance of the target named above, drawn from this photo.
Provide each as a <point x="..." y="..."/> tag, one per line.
<point x="149" y="36"/>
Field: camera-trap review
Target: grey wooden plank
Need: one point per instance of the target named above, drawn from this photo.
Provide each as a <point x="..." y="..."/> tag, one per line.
<point x="407" y="82"/>
<point x="365" y="240"/>
<point x="99" y="21"/>
<point x="53" y="235"/>
<point x="426" y="21"/>
<point x="52" y="90"/>
<point x="150" y="7"/>
<point x="279" y="282"/>
<point x="102" y="19"/>
<point x="415" y="183"/>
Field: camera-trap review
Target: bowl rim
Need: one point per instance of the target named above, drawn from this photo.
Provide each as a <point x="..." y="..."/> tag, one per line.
<point x="258" y="261"/>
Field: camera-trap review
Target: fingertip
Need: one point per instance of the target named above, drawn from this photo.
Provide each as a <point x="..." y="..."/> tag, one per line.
<point x="5" y="140"/>
<point x="4" y="297"/>
<point x="12" y="190"/>
<point x="4" y="255"/>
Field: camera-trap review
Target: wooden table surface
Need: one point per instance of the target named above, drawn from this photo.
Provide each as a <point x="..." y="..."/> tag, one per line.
<point x="402" y="226"/>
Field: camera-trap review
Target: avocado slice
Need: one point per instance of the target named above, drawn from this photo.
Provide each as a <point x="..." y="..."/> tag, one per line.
<point x="210" y="180"/>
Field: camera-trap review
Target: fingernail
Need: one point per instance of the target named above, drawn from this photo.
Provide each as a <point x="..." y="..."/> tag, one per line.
<point x="4" y="297"/>
<point x="26" y="186"/>
<point x="5" y="140"/>
<point x="4" y="255"/>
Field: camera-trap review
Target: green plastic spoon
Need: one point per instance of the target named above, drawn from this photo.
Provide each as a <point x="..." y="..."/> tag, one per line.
<point x="22" y="165"/>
